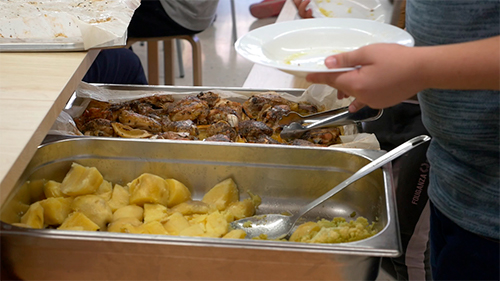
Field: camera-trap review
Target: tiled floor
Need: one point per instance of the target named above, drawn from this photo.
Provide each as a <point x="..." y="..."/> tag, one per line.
<point x="222" y="66"/>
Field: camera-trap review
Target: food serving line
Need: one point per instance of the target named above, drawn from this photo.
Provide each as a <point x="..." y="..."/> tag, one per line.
<point x="35" y="87"/>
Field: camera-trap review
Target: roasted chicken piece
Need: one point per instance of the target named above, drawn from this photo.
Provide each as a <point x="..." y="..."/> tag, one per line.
<point x="236" y="106"/>
<point x="174" y="136"/>
<point x="264" y="139"/>
<point x="125" y="131"/>
<point x="252" y="130"/>
<point x="98" y="104"/>
<point x="305" y="108"/>
<point x="254" y="104"/>
<point x="158" y="101"/>
<point x="222" y="128"/>
<point x="325" y="136"/>
<point x="301" y="142"/>
<point x="223" y="113"/>
<point x="98" y="127"/>
<point x="189" y="108"/>
<point x="91" y="114"/>
<point x="219" y="137"/>
<point x="270" y="115"/>
<point x="210" y="97"/>
<point x="139" y="121"/>
<point x="186" y="126"/>
<point x="147" y="109"/>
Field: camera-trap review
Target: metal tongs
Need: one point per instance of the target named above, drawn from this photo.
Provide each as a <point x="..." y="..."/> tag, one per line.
<point x="297" y="125"/>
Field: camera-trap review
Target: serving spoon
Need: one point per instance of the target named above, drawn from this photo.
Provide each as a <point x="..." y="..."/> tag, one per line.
<point x="277" y="226"/>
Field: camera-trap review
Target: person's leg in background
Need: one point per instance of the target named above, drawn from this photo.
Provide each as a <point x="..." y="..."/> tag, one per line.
<point x="397" y="125"/>
<point x="116" y="66"/>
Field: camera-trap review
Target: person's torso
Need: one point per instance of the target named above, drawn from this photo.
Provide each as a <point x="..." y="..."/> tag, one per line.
<point x="464" y="152"/>
<point x="194" y="15"/>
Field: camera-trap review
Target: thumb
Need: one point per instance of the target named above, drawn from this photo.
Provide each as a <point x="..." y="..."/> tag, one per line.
<point x="347" y="59"/>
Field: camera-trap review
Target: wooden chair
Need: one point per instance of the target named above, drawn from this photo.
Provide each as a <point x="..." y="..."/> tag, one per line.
<point x="168" y="57"/>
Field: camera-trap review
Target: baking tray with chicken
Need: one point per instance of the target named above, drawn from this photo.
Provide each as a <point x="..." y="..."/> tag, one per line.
<point x="231" y="115"/>
<point x="284" y="177"/>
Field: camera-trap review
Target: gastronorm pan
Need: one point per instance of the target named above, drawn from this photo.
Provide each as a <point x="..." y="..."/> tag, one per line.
<point x="284" y="177"/>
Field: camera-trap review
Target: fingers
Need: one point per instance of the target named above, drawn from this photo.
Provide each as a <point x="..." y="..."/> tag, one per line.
<point x="356" y="105"/>
<point x="302" y="8"/>
<point x="339" y="80"/>
<point x="341" y="95"/>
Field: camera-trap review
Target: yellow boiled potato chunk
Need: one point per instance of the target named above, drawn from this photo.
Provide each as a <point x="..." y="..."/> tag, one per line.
<point x="176" y="223"/>
<point x="222" y="194"/>
<point x="78" y="221"/>
<point x="148" y="188"/>
<point x="105" y="190"/>
<point x="193" y="230"/>
<point x="152" y="227"/>
<point x="81" y="180"/>
<point x="119" y="198"/>
<point x="241" y="209"/>
<point x="52" y="189"/>
<point x="178" y="192"/>
<point x="305" y="231"/>
<point x="197" y="219"/>
<point x="154" y="212"/>
<point x="95" y="208"/>
<point x="191" y="207"/>
<point x="34" y="216"/>
<point x="129" y="211"/>
<point x="126" y="225"/>
<point x="236" y="234"/>
<point x="216" y="225"/>
<point x="55" y="210"/>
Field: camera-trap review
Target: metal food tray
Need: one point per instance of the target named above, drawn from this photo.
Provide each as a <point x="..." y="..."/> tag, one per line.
<point x="75" y="102"/>
<point x="284" y="177"/>
<point x="18" y="45"/>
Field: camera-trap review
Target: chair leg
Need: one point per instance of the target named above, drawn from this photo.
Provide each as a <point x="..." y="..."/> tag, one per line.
<point x="153" y="73"/>
<point x="168" y="60"/>
<point x="197" y="68"/>
<point x="233" y="16"/>
<point x="178" y="48"/>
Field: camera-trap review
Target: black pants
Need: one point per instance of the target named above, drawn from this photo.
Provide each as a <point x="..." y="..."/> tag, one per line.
<point x="116" y="66"/>
<point x="397" y="125"/>
<point x="151" y="20"/>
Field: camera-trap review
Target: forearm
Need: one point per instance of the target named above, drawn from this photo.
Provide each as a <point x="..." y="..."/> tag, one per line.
<point x="465" y="66"/>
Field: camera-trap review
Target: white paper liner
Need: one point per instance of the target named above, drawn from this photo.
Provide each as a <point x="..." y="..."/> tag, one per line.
<point x="92" y="22"/>
<point x="322" y="96"/>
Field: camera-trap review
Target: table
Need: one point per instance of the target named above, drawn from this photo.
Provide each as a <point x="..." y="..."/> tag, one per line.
<point x="264" y="77"/>
<point x="34" y="88"/>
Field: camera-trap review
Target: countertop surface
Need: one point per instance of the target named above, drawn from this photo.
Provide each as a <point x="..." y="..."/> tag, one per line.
<point x="34" y="88"/>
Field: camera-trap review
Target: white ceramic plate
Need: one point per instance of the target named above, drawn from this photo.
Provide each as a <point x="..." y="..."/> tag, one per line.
<point x="300" y="47"/>
<point x="378" y="10"/>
